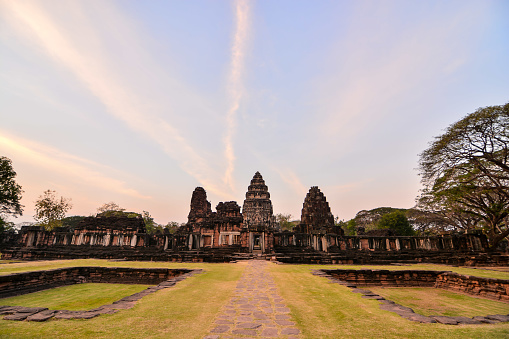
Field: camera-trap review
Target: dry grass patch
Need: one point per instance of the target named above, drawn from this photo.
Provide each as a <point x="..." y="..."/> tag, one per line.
<point x="434" y="301"/>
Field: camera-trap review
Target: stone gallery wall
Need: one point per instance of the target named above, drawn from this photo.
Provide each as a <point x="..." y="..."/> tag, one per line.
<point x="290" y="247"/>
<point x="334" y="243"/>
<point x="21" y="283"/>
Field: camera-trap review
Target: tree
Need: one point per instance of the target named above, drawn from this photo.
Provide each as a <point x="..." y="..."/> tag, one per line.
<point x="173" y="226"/>
<point x="479" y="138"/>
<point x="396" y="221"/>
<point x="432" y="220"/>
<point x="367" y="220"/>
<point x="72" y="221"/>
<point x="350" y="227"/>
<point x="110" y="209"/>
<point x="465" y="171"/>
<point x="284" y="221"/>
<point x="10" y="191"/>
<point x="150" y="225"/>
<point x="50" y="210"/>
<point x="5" y="225"/>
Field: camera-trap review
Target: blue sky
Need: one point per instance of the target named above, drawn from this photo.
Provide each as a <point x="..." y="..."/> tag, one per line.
<point x="139" y="102"/>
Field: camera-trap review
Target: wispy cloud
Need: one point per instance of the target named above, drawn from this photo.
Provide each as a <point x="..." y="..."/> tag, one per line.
<point x="236" y="89"/>
<point x="292" y="180"/>
<point x="385" y="63"/>
<point x="68" y="165"/>
<point x="119" y="97"/>
<point x="349" y="187"/>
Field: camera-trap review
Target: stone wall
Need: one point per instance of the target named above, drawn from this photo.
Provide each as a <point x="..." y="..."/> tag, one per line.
<point x="21" y="283"/>
<point x="403" y="278"/>
<point x="485" y="287"/>
<point x="126" y="253"/>
<point x="334" y="243"/>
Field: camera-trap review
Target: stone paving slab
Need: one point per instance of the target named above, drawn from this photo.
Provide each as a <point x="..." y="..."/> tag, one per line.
<point x="256" y="310"/>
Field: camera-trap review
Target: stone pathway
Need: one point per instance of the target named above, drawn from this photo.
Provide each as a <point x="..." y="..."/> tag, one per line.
<point x="256" y="310"/>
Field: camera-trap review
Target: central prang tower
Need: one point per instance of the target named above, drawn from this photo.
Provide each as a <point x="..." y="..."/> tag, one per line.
<point x="257" y="209"/>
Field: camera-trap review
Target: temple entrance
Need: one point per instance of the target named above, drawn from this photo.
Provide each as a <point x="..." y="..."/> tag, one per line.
<point x="256" y="243"/>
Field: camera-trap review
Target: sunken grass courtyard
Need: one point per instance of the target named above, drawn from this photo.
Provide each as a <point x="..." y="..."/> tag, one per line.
<point x="189" y="309"/>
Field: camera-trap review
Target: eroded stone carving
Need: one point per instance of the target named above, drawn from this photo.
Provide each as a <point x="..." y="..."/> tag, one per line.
<point x="200" y="206"/>
<point x="257" y="209"/>
<point x="316" y="214"/>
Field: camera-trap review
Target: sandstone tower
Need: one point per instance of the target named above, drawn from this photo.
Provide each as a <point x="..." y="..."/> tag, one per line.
<point x="257" y="208"/>
<point x="316" y="214"/>
<point x="200" y="206"/>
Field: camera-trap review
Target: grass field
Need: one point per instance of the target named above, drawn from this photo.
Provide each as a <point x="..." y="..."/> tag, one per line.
<point x="433" y="301"/>
<point x="187" y="310"/>
<point x="79" y="297"/>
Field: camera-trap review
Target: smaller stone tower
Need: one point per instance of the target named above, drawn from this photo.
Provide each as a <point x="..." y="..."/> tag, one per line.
<point x="316" y="214"/>
<point x="200" y="207"/>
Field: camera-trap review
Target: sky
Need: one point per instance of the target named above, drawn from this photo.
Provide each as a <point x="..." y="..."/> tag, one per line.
<point x="139" y="102"/>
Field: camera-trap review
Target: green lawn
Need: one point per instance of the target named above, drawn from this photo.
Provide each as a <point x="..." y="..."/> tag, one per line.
<point x="326" y="310"/>
<point x="187" y="310"/>
<point x="75" y="297"/>
<point x="48" y="265"/>
<point x="434" y="301"/>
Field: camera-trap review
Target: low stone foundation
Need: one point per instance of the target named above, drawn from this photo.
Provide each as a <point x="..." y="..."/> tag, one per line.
<point x="21" y="284"/>
<point x="403" y="278"/>
<point x="28" y="282"/>
<point x="350" y="279"/>
<point x="484" y="287"/>
<point x="497" y="289"/>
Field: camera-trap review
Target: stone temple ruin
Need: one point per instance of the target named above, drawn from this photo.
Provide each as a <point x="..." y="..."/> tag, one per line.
<point x="230" y="234"/>
<point x="316" y="215"/>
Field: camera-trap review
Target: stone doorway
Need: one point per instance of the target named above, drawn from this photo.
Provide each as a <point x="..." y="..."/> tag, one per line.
<point x="257" y="243"/>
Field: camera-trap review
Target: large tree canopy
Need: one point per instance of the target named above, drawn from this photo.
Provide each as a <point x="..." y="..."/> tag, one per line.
<point x="465" y="173"/>
<point x="480" y="139"/>
<point x="10" y="191"/>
